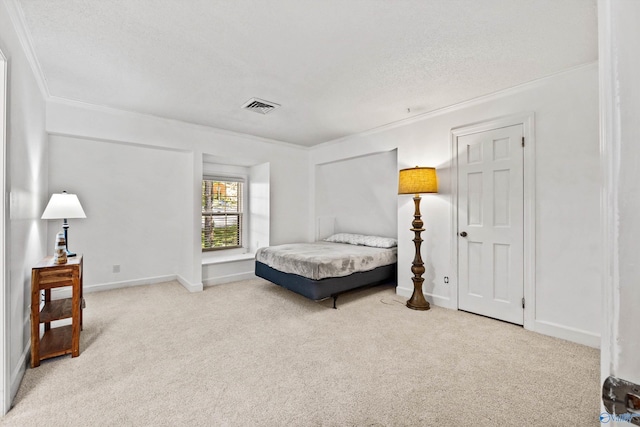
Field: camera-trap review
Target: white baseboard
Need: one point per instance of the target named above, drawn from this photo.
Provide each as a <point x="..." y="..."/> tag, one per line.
<point x="568" y="333"/>
<point x="19" y="370"/>
<point x="66" y="291"/>
<point x="438" y="300"/>
<point x="191" y="287"/>
<point x="228" y="278"/>
<point x="551" y="329"/>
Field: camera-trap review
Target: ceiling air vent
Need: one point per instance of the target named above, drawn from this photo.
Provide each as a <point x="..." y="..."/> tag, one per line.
<point x="260" y="105"/>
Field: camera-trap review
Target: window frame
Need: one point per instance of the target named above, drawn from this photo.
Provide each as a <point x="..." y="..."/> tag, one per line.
<point x="241" y="212"/>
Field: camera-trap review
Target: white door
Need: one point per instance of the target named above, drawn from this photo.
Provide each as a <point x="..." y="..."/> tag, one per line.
<point x="490" y="223"/>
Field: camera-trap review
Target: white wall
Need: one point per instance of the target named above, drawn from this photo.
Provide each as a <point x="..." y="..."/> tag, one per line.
<point x="627" y="35"/>
<point x="359" y="193"/>
<point x="26" y="179"/>
<point x="154" y="144"/>
<point x="620" y="102"/>
<point x="567" y="289"/>
<point x="259" y="197"/>
<point x="229" y="270"/>
<point x="136" y="206"/>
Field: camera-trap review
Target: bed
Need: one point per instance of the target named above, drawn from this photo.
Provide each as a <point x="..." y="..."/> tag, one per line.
<point x="329" y="268"/>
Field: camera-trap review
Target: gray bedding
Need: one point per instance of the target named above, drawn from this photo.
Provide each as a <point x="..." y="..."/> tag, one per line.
<point x="321" y="260"/>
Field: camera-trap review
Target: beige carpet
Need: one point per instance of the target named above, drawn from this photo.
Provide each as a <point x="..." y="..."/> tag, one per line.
<point x="251" y="353"/>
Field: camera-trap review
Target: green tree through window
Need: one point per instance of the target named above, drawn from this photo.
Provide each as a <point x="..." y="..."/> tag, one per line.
<point x="221" y="214"/>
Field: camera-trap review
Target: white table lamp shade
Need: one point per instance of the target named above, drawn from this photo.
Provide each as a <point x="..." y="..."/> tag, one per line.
<point x="63" y="205"/>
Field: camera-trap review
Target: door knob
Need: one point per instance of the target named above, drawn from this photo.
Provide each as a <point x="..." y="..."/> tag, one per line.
<point x="463" y="234"/>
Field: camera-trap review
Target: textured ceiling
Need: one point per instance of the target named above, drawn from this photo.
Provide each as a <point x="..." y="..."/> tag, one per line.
<point x="337" y="67"/>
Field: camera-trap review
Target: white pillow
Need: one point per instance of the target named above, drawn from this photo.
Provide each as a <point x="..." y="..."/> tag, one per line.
<point x="362" y="240"/>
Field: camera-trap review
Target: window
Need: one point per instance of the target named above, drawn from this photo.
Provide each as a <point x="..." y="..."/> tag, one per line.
<point x="221" y="214"/>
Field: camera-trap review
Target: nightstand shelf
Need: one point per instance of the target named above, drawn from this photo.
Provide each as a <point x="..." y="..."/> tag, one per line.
<point x="56" y="342"/>
<point x="61" y="340"/>
<point x="56" y="310"/>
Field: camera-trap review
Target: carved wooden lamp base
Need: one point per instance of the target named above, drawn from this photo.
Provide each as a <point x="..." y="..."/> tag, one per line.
<point x="417" y="301"/>
<point x="422" y="307"/>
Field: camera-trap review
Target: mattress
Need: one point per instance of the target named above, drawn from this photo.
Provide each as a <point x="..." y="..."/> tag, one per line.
<point x="321" y="260"/>
<point x="330" y="286"/>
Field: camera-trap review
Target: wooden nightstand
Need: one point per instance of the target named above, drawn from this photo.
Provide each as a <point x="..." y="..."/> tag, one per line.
<point x="63" y="339"/>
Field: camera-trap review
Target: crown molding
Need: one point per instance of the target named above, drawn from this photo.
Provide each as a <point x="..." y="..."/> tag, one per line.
<point x="173" y="122"/>
<point x="19" y="24"/>
<point x="459" y="106"/>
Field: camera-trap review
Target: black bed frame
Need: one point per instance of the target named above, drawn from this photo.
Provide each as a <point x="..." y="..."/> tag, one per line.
<point x="331" y="287"/>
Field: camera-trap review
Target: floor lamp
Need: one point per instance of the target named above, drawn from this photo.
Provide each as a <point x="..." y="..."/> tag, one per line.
<point x="416" y="181"/>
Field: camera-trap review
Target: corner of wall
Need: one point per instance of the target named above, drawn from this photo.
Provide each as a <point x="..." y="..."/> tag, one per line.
<point x="191" y="287"/>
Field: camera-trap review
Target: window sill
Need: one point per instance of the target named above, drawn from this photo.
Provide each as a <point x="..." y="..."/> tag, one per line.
<point x="227" y="258"/>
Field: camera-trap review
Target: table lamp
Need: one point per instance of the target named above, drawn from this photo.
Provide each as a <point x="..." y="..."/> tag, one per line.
<point x="63" y="206"/>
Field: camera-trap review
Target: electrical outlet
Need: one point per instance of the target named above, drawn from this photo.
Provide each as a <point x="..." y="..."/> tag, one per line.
<point x="116" y="268"/>
<point x="446" y="279"/>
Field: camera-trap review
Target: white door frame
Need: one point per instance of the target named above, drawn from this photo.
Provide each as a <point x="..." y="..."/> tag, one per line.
<point x="529" y="223"/>
<point x="618" y="349"/>
<point x="5" y="377"/>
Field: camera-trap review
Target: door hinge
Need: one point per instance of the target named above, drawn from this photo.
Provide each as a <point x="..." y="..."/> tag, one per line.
<point x="523" y="141"/>
<point x="522" y="302"/>
<point x="621" y="399"/>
